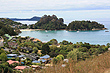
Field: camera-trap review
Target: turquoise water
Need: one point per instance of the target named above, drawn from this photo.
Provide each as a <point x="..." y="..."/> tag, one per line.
<point x="94" y="37"/>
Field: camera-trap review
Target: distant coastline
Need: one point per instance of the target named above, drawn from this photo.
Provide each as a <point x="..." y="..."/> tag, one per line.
<point x="35" y="18"/>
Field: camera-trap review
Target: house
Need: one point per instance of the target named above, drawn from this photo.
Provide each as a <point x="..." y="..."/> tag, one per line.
<point x="35" y="67"/>
<point x="20" y="67"/>
<point x="42" y="60"/>
<point x="22" y="57"/>
<point x="36" y="40"/>
<point x="33" y="56"/>
<point x="35" y="61"/>
<point x="12" y="44"/>
<point x="11" y="62"/>
<point x="45" y="57"/>
<point x="12" y="55"/>
<point x="30" y="38"/>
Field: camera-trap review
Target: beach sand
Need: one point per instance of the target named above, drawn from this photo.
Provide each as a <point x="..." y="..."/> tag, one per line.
<point x="30" y="29"/>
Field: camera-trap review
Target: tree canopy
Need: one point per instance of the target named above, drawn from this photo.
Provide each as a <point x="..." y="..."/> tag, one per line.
<point x="6" y="29"/>
<point x="84" y="25"/>
<point x="50" y="23"/>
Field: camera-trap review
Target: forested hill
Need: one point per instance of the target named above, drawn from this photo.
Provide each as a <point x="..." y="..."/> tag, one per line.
<point x="50" y="23"/>
<point x="9" y="22"/>
<point x="8" y="26"/>
<point x="6" y="29"/>
<point x="85" y="25"/>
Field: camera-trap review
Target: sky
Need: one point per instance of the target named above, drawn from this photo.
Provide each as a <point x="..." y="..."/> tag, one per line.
<point x="68" y="9"/>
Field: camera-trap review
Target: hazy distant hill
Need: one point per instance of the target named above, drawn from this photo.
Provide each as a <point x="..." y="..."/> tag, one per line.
<point x="35" y="18"/>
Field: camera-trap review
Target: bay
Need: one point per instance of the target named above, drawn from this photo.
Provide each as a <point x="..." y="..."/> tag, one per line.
<point x="94" y="37"/>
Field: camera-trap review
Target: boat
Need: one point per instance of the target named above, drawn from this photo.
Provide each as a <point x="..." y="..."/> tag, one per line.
<point x="107" y="31"/>
<point x="77" y="31"/>
<point x="46" y="31"/>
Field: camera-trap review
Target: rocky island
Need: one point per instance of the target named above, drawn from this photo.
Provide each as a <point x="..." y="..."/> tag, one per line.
<point x="84" y="25"/>
<point x="50" y="23"/>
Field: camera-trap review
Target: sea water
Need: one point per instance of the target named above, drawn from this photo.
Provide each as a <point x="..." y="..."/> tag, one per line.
<point x="94" y="37"/>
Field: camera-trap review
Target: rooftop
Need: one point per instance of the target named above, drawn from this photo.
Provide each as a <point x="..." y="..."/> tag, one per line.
<point x="13" y="55"/>
<point x="36" y="40"/>
<point x="11" y="62"/>
<point x="20" y="67"/>
<point x="45" y="57"/>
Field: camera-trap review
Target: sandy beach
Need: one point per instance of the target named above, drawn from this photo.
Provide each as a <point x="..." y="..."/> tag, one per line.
<point x="30" y="29"/>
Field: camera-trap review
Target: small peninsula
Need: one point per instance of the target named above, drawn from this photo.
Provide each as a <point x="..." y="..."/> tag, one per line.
<point x="84" y="25"/>
<point x="50" y="23"/>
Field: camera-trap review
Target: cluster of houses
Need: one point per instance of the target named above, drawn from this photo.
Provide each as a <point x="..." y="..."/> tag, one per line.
<point x="35" y="59"/>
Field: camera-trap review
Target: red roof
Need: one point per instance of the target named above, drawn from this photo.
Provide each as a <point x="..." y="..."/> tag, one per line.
<point x="11" y="62"/>
<point x="20" y="67"/>
<point x="36" y="40"/>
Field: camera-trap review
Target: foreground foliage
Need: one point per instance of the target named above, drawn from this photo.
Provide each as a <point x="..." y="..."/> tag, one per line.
<point x="97" y="64"/>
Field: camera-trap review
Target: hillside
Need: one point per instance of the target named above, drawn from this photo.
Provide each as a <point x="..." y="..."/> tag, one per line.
<point x="97" y="64"/>
<point x="84" y="25"/>
<point x="6" y="29"/>
<point x="8" y="26"/>
<point x="9" y="22"/>
<point x="50" y="23"/>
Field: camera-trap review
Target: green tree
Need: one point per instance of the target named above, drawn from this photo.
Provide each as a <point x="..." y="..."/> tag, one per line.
<point x="45" y="49"/>
<point x="60" y="57"/>
<point x="54" y="60"/>
<point x="35" y="50"/>
<point x="75" y="55"/>
<point x="3" y="57"/>
<point x="52" y="53"/>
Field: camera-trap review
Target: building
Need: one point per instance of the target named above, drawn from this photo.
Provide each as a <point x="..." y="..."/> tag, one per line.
<point x="35" y="67"/>
<point x="11" y="62"/>
<point x="22" y="57"/>
<point x="12" y="55"/>
<point x="36" y="40"/>
<point x="35" y="61"/>
<point x="33" y="56"/>
<point x="20" y="67"/>
<point x="45" y="57"/>
<point x="12" y="44"/>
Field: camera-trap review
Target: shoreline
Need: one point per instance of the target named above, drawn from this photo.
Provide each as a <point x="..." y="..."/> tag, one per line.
<point x="30" y="29"/>
<point x="61" y="29"/>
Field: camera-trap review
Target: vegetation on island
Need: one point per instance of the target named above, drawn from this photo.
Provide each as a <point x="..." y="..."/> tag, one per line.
<point x="49" y="23"/>
<point x="84" y="25"/>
